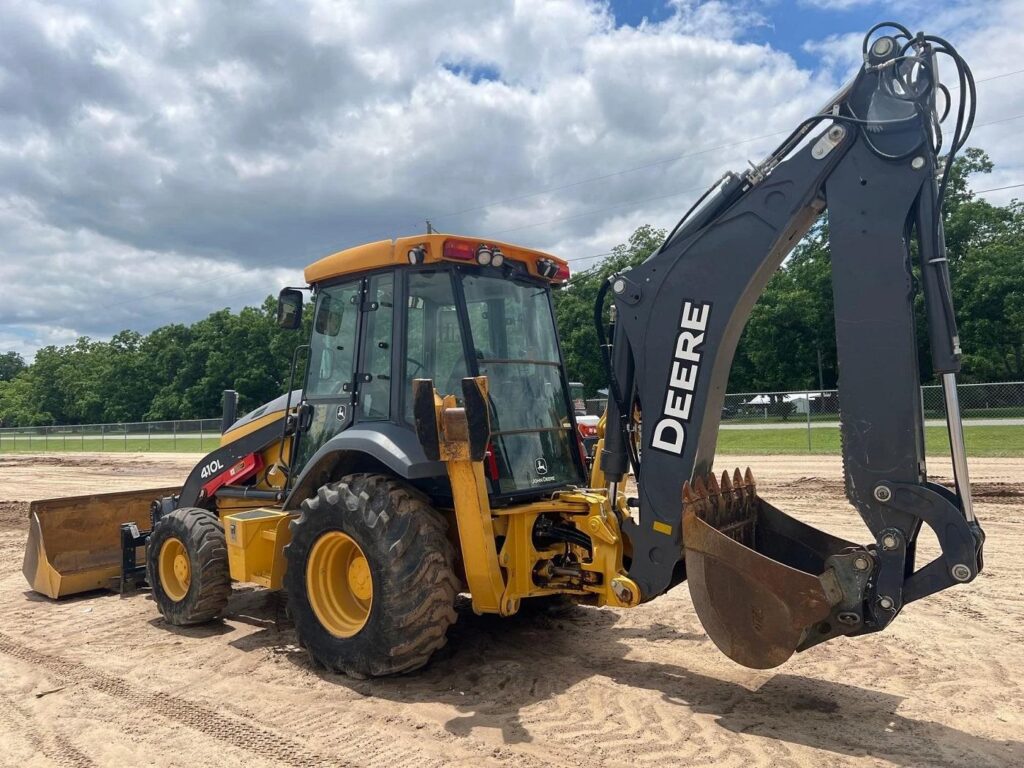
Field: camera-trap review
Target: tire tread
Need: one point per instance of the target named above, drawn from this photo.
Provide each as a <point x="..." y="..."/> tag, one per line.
<point x="415" y="567"/>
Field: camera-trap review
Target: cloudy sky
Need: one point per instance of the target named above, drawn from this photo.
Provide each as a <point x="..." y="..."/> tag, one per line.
<point x="159" y="161"/>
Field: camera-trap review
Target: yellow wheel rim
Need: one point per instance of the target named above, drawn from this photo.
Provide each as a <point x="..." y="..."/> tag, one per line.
<point x="175" y="570"/>
<point x="339" y="584"/>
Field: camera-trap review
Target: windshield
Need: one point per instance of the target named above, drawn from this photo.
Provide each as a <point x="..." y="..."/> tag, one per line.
<point x="514" y="342"/>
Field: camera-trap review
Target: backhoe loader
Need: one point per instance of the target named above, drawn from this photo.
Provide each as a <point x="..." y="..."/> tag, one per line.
<point x="429" y="448"/>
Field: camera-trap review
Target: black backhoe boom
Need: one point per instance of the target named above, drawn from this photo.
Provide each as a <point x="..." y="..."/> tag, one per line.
<point x="763" y="584"/>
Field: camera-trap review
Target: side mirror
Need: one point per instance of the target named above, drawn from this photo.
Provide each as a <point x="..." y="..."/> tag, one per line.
<point x="289" y="308"/>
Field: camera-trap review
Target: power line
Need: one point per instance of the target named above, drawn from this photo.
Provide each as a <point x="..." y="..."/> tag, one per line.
<point x="135" y="299"/>
<point x="175" y="291"/>
<point x="986" y="79"/>
<point x="1000" y="120"/>
<point x="973" y="191"/>
<point x="611" y="175"/>
<point x="594" y="212"/>
<point x="601" y="210"/>
<point x="996" y="189"/>
<point x="655" y="163"/>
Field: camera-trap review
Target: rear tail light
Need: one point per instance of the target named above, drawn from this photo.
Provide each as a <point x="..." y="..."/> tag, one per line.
<point x="492" y="462"/>
<point x="460" y="250"/>
<point x="417" y="255"/>
<point x="587" y="430"/>
<point x="562" y="273"/>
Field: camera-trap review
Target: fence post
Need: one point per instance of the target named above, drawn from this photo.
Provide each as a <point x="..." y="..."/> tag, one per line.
<point x="126" y="437"/>
<point x="808" y="393"/>
<point x="103" y="439"/>
<point x="174" y="439"/>
<point x="149" y="436"/>
<point x="200" y="435"/>
<point x="46" y="439"/>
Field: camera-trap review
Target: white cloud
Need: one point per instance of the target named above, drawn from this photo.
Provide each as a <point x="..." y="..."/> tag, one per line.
<point x="160" y="162"/>
<point x="838" y="5"/>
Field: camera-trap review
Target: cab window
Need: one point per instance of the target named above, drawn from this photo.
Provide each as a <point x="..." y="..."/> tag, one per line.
<point x="515" y="346"/>
<point x="375" y="394"/>
<point x="333" y="344"/>
<point x="433" y="344"/>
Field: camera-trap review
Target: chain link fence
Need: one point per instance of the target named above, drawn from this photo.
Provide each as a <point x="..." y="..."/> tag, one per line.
<point x="808" y="420"/>
<point x="186" y="436"/>
<point x="979" y="404"/>
<point x="774" y="422"/>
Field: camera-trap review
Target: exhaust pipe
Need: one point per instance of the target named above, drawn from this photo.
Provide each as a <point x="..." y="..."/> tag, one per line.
<point x="230" y="412"/>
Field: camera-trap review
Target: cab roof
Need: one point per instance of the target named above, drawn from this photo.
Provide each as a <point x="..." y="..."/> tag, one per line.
<point x="385" y="253"/>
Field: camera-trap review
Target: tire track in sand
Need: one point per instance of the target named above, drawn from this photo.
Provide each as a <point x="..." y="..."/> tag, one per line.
<point x="243" y="735"/>
<point x="373" y="747"/>
<point x="51" y="744"/>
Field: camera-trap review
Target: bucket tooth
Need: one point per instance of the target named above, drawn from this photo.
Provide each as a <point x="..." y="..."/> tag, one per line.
<point x="737" y="489"/>
<point x="699" y="487"/>
<point x="717" y="513"/>
<point x="700" y="490"/>
<point x="727" y="495"/>
<point x="689" y="496"/>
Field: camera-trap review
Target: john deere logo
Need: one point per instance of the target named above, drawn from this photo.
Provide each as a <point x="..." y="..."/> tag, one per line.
<point x="541" y="465"/>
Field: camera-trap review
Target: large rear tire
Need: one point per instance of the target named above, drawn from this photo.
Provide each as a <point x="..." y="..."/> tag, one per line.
<point x="187" y="566"/>
<point x="370" y="578"/>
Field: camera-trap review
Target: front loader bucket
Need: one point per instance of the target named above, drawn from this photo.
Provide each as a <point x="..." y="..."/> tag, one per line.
<point x="74" y="543"/>
<point x="758" y="578"/>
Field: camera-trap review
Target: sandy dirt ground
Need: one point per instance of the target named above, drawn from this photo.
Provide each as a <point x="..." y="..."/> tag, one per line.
<point x="102" y="680"/>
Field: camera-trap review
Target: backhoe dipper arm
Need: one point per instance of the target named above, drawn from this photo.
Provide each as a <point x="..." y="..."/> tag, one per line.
<point x="679" y="316"/>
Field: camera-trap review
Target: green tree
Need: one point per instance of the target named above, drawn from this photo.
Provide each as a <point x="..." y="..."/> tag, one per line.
<point x="574" y="307"/>
<point x="985" y="246"/>
<point x="11" y="364"/>
<point x="175" y="372"/>
<point x="988" y="289"/>
<point x="790" y="325"/>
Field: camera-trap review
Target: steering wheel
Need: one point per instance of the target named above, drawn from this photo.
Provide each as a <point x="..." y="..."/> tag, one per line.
<point x="417" y="363"/>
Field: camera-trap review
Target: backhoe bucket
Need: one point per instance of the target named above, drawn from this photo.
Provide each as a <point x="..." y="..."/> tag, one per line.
<point x="758" y="577"/>
<point x="74" y="543"/>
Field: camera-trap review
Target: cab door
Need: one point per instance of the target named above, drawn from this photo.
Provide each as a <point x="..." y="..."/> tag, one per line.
<point x="329" y="395"/>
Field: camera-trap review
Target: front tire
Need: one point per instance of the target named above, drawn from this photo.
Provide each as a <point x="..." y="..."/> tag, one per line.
<point x="370" y="578"/>
<point x="187" y="566"/>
